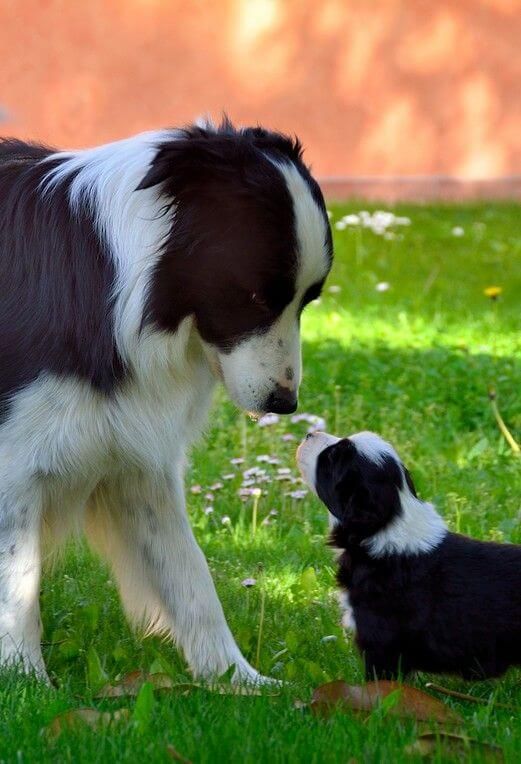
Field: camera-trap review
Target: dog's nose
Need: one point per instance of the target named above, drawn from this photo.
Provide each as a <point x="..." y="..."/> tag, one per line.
<point x="282" y="401"/>
<point x="309" y="435"/>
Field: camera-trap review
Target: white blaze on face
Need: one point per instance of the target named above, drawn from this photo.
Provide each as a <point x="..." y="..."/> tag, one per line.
<point x="262" y="362"/>
<point x="258" y="364"/>
<point x="308" y="453"/>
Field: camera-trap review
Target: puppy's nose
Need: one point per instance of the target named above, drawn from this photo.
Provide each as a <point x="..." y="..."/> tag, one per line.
<point x="282" y="401"/>
<point x="309" y="435"/>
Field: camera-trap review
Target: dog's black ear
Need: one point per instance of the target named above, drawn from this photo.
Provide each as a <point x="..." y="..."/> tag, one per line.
<point x="366" y="500"/>
<point x="190" y="158"/>
<point x="409" y="481"/>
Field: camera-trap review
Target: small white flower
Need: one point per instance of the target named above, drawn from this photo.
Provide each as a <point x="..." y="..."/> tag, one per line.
<point x="458" y="231"/>
<point x="208" y="510"/>
<point x="263" y="458"/>
<point x="273" y="512"/>
<point x="256" y="492"/>
<point x="237" y="460"/>
<point x="329" y="638"/>
<point x="196" y="489"/>
<point x="217" y="486"/>
<point x="225" y="520"/>
<point x="317" y="423"/>
<point x="284" y="471"/>
<point x="382" y="286"/>
<point x="209" y="496"/>
<point x="402" y="221"/>
<point x="268" y="419"/>
<point x="299" y="494"/>
<point x="249" y="582"/>
<point x="273" y="460"/>
<point x="334" y="289"/>
<point x="340" y="226"/>
<point x="287" y="437"/>
<point x="252" y="471"/>
<point x="228" y="476"/>
<point x="351" y="219"/>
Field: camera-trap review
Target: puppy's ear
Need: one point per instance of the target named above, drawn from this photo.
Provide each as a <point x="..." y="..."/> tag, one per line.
<point x="366" y="503"/>
<point x="409" y="481"/>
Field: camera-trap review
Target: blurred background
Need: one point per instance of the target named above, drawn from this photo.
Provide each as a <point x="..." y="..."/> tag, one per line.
<point x="392" y="98"/>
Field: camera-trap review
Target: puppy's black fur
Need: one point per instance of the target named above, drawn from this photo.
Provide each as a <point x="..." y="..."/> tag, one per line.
<point x="453" y="609"/>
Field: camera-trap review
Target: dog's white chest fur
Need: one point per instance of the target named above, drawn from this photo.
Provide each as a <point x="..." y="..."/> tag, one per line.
<point x="62" y="428"/>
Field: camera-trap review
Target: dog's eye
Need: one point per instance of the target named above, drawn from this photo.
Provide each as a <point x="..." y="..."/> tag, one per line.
<point x="258" y="300"/>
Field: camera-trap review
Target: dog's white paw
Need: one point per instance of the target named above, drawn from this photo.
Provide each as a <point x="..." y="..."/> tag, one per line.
<point x="246" y="675"/>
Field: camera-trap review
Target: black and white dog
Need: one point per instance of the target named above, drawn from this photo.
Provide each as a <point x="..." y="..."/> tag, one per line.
<point x="418" y="597"/>
<point x="131" y="277"/>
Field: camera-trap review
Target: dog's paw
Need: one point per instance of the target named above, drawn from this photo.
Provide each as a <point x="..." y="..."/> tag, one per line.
<point x="246" y="675"/>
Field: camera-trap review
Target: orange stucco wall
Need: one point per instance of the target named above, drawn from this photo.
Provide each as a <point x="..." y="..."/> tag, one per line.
<point x="373" y="87"/>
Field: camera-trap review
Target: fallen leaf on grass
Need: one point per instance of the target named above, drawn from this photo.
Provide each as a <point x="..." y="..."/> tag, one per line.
<point x="85" y="717"/>
<point x="130" y="685"/>
<point x="395" y="698"/>
<point x="176" y="755"/>
<point x="427" y="745"/>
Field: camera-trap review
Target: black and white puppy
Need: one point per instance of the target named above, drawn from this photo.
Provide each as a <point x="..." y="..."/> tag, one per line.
<point x="418" y="597"/>
<point x="132" y="276"/>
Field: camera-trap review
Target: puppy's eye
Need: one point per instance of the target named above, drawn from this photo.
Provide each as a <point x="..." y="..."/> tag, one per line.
<point x="259" y="301"/>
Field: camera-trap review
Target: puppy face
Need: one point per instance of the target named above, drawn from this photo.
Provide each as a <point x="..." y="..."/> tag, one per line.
<point x="358" y="478"/>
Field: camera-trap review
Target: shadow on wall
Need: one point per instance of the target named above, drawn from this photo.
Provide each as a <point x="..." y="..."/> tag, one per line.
<point x="373" y="88"/>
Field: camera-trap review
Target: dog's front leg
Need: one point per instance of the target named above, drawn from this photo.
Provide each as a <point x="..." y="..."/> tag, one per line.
<point x="163" y="574"/>
<point x="20" y="625"/>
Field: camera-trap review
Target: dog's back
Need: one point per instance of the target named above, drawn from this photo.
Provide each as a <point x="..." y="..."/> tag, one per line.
<point x="55" y="279"/>
<point x="456" y="609"/>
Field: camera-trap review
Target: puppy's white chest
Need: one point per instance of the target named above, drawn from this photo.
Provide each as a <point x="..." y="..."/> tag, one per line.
<point x="348" y="618"/>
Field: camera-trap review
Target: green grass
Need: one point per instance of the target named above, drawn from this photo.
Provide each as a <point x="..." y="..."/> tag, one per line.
<point x="413" y="363"/>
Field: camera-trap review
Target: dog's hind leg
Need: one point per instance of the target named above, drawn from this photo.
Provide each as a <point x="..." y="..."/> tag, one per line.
<point x="143" y="528"/>
<point x="20" y="625"/>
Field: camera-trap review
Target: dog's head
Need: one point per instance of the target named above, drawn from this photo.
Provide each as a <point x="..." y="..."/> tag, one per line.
<point x="360" y="479"/>
<point x="249" y="247"/>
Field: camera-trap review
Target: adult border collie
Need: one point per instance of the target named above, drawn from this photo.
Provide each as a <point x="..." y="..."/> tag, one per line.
<point x="418" y="597"/>
<point x="131" y="277"/>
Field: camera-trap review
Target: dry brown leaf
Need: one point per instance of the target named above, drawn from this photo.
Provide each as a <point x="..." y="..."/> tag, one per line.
<point x="130" y="684"/>
<point x="176" y="755"/>
<point x="427" y="745"/>
<point x="365" y="698"/>
<point x="89" y="717"/>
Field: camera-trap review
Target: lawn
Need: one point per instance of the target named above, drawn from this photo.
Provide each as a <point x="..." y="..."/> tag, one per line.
<point x="403" y="342"/>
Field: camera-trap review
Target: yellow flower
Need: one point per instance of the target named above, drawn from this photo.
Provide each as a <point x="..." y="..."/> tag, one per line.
<point x="493" y="292"/>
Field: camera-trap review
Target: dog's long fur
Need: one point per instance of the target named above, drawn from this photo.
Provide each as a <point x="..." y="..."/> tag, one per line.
<point x="131" y="276"/>
<point x="418" y="597"/>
